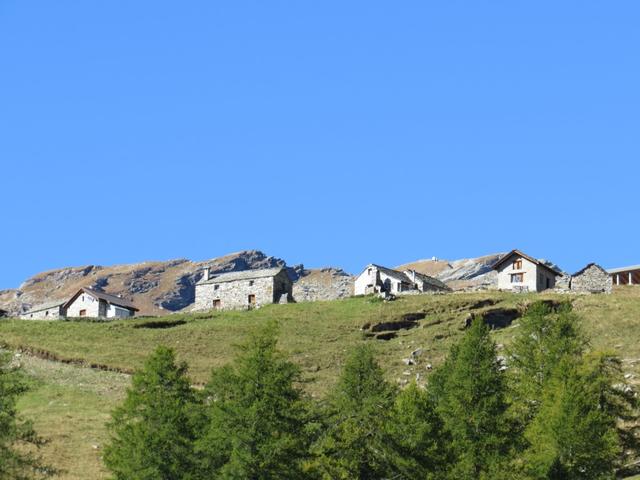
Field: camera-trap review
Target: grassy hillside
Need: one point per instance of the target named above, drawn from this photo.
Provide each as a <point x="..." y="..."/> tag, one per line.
<point x="70" y="404"/>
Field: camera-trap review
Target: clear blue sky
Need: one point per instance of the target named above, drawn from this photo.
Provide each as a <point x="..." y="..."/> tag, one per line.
<point x="328" y="133"/>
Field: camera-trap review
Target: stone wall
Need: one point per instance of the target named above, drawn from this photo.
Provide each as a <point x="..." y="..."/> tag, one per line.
<point x="323" y="284"/>
<point x="49" y="313"/>
<point x="592" y="279"/>
<point x="235" y="294"/>
<point x="563" y="282"/>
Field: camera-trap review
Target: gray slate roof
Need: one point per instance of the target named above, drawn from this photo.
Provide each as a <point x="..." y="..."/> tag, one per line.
<point x="580" y="272"/>
<point x="541" y="263"/>
<point x="242" y="275"/>
<point x="44" y="306"/>
<point x="392" y="273"/>
<point x="430" y="280"/>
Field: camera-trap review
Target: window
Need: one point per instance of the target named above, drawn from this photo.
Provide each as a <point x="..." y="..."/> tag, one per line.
<point x="46" y="314"/>
<point x="215" y="287"/>
<point x="517" y="265"/>
<point x="517" y="277"/>
<point x="83" y="313"/>
<point x="369" y="271"/>
<point x="216" y="304"/>
<point x="251" y="283"/>
<point x="252" y="300"/>
<point x="83" y="298"/>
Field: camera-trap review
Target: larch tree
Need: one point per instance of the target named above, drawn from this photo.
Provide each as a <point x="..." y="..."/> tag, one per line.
<point x="154" y="430"/>
<point x="256" y="416"/>
<point x="470" y="394"/>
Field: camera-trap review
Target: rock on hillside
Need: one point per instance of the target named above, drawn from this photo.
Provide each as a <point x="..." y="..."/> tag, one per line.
<point x="322" y="284"/>
<point x="467" y="273"/>
<point x="155" y="287"/>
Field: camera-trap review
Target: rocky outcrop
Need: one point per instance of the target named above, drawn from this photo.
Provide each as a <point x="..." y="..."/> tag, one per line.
<point x="155" y="287"/>
<point x="322" y="284"/>
<point x="464" y="274"/>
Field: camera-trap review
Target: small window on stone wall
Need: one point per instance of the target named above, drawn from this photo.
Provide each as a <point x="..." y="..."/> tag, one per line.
<point x="251" y="283"/>
<point x="215" y="287"/>
<point x="517" y="265"/>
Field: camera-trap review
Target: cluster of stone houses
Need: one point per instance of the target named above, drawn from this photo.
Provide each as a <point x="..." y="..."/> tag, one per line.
<point x="86" y="302"/>
<point x="516" y="271"/>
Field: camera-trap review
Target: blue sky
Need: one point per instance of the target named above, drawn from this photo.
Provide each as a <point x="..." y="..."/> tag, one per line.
<point x="327" y="133"/>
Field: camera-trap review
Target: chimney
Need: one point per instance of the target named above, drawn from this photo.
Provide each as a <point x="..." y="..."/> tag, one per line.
<point x="205" y="274"/>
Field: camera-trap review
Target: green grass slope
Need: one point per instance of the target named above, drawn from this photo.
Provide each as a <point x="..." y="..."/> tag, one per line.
<point x="70" y="404"/>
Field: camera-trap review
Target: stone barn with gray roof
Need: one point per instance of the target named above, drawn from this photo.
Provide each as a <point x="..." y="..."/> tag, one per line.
<point x="243" y="290"/>
<point x="53" y="310"/>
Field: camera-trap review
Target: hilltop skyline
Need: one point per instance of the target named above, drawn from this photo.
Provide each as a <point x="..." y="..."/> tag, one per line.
<point x="330" y="135"/>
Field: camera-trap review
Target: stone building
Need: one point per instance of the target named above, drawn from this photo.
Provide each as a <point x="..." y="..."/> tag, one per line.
<point x="243" y="290"/>
<point x="591" y="279"/>
<point x="91" y="303"/>
<point x="519" y="272"/>
<point x="425" y="283"/>
<point x="48" y="311"/>
<point x="377" y="279"/>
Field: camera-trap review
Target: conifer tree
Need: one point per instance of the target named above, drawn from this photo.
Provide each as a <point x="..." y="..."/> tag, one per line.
<point x="17" y="437"/>
<point x="257" y="416"/>
<point x="416" y="436"/>
<point x="354" y="442"/>
<point x="544" y="339"/>
<point x="469" y="391"/>
<point x="154" y="430"/>
<point x="574" y="435"/>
